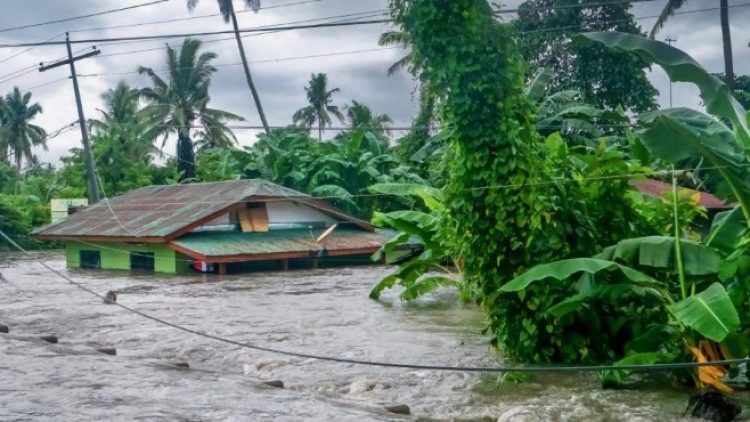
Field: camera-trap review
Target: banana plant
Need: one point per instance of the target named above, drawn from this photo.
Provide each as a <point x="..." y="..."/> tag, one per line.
<point x="699" y="286"/>
<point x="719" y="137"/>
<point x="434" y="266"/>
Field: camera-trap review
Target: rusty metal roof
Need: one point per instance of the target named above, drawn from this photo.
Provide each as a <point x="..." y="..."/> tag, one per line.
<point x="159" y="213"/>
<point x="291" y="241"/>
<point x="657" y="189"/>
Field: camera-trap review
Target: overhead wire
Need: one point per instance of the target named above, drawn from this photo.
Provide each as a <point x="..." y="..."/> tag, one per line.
<point x="12" y="56"/>
<point x="90" y="15"/>
<point x="189" y="18"/>
<point x="195" y="34"/>
<point x="264" y="61"/>
<point x="568" y="6"/>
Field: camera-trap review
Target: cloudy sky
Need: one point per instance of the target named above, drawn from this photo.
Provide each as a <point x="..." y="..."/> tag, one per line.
<point x="278" y="67"/>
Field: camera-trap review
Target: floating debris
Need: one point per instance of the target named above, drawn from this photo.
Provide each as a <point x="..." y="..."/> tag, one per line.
<point x="275" y="383"/>
<point x="399" y="409"/>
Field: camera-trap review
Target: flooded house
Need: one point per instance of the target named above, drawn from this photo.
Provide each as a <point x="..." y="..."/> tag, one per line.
<point x="214" y="227"/>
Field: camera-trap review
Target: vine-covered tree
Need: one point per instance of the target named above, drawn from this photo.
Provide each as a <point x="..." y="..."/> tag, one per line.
<point x="606" y="78"/>
<point x="17" y="134"/>
<point x="320" y="109"/>
<point x="175" y="104"/>
<point x="420" y="133"/>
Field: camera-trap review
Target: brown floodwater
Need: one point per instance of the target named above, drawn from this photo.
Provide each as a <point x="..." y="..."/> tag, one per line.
<point x="323" y="311"/>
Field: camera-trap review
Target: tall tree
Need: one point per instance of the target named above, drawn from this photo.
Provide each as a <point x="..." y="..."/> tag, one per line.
<point x="320" y="109"/>
<point x="17" y="134"/>
<point x="227" y="11"/>
<point x="361" y="115"/>
<point x="176" y="104"/>
<point x="122" y="120"/>
<point x="606" y="78"/>
<point x="673" y="6"/>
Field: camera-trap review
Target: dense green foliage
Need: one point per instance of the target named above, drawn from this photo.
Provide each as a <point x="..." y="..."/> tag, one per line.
<point x="605" y="78"/>
<point x="692" y="294"/>
<point x="17" y="134"/>
<point x="505" y="211"/>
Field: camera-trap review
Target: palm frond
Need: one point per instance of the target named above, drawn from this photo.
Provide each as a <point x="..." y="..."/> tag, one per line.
<point x="669" y="9"/>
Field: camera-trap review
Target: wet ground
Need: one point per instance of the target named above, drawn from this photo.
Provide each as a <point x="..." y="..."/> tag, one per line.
<point x="316" y="311"/>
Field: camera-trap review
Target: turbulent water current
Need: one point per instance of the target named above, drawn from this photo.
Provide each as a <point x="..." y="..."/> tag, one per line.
<point x="324" y="312"/>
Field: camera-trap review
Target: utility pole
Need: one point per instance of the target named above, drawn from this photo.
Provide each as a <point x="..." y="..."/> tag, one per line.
<point x="669" y="41"/>
<point x="88" y="155"/>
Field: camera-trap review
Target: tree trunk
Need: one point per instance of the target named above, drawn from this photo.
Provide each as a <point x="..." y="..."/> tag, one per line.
<point x="726" y="37"/>
<point x="320" y="130"/>
<point x="245" y="66"/>
<point x="18" y="171"/>
<point x="185" y="156"/>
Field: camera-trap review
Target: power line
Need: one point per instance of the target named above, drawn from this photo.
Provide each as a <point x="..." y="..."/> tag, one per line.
<point x="131" y="25"/>
<point x="297" y="27"/>
<point x="106" y="12"/>
<point x="359" y="15"/>
<point x="568" y="6"/>
<point x="306" y="355"/>
<point x="54" y="81"/>
<point x="12" y="56"/>
<point x="280" y="59"/>
<point x="616" y="21"/>
<point x="194" y="34"/>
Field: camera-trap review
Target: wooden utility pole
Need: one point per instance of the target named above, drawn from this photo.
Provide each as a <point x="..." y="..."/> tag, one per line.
<point x="727" y="42"/>
<point x="88" y="155"/>
<point x="669" y="41"/>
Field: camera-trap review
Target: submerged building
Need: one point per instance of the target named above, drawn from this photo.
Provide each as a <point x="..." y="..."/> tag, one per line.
<point x="213" y="227"/>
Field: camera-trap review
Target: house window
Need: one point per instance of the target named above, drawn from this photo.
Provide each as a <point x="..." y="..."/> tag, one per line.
<point x="90" y="259"/>
<point x="142" y="261"/>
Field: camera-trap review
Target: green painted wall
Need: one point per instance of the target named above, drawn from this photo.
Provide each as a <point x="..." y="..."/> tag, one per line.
<point x="116" y="256"/>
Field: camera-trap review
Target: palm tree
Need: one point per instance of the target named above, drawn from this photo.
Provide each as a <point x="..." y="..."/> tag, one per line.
<point x="320" y="108"/>
<point x="227" y="11"/>
<point x="671" y="8"/>
<point x="396" y="39"/>
<point x="122" y="120"/>
<point x="175" y="105"/>
<point x="361" y="115"/>
<point x="17" y="134"/>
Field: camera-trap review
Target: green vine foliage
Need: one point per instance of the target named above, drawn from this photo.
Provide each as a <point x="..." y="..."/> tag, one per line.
<point x="507" y="210"/>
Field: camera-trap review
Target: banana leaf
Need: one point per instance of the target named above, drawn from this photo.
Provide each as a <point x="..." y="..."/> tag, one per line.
<point x="681" y="67"/>
<point x="679" y="134"/>
<point x="426" y="285"/>
<point x="564" y="269"/>
<point x="538" y="86"/>
<point x="432" y="197"/>
<point x="710" y="313"/>
<point x="658" y="252"/>
<point x="726" y="232"/>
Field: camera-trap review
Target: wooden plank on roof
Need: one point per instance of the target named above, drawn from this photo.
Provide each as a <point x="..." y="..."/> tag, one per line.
<point x="254" y="218"/>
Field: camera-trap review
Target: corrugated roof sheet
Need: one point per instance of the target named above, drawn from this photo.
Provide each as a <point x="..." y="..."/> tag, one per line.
<point x="160" y="211"/>
<point x="657" y="189"/>
<point x="227" y="244"/>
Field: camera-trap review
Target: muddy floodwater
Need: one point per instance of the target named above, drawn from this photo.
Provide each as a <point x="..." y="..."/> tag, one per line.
<point x="315" y="311"/>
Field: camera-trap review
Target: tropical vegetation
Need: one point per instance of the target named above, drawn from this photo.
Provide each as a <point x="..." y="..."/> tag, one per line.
<point x="514" y="185"/>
